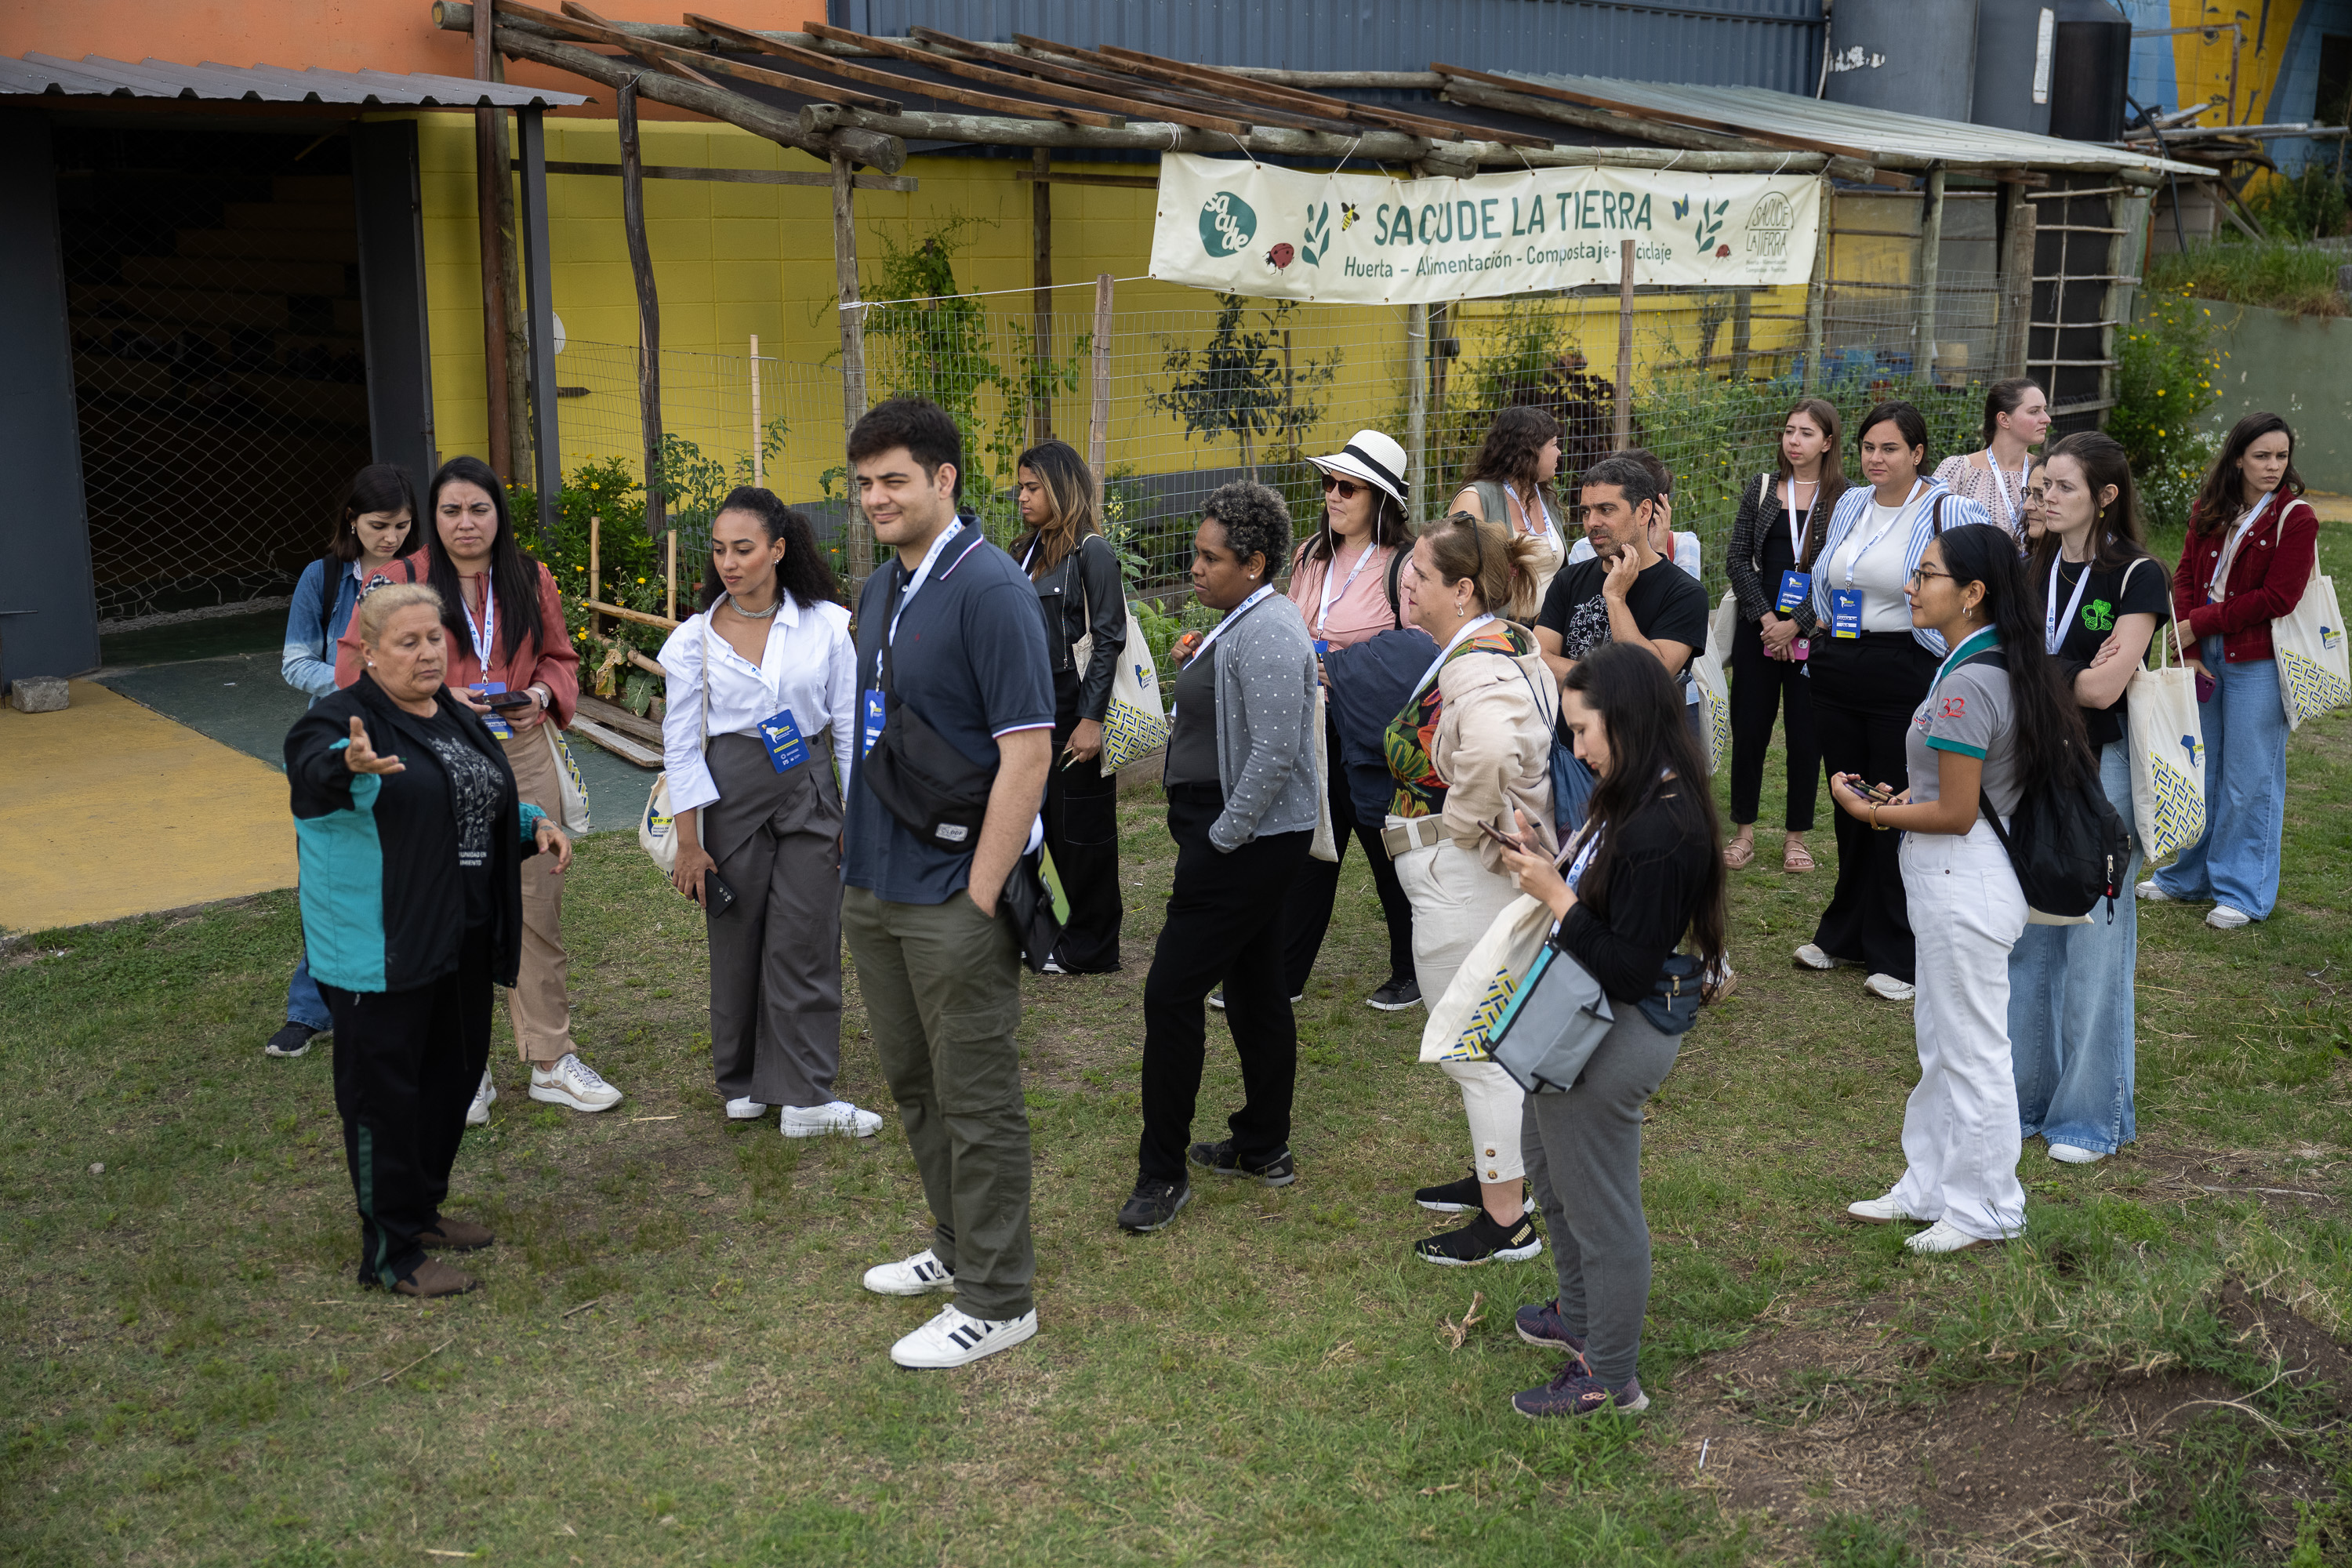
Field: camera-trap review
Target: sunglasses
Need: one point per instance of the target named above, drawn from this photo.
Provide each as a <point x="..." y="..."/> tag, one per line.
<point x="1344" y="489"/>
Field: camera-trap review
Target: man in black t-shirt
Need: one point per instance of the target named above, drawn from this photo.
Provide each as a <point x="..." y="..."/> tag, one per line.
<point x="1628" y="592"/>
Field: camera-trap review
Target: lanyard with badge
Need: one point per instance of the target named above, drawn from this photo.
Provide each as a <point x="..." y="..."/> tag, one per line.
<point x="1845" y="603"/>
<point x="2015" y="505"/>
<point x="485" y="638"/>
<point x="1464" y="635"/>
<point x="2218" y="588"/>
<point x="1329" y="598"/>
<point x="1796" y="586"/>
<point x="1238" y="610"/>
<point x="2054" y="627"/>
<point x="875" y="712"/>
<point x="780" y="733"/>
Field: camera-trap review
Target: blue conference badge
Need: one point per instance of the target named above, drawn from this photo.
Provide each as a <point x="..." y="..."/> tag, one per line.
<point x="781" y="736"/>
<point x="499" y="727"/>
<point x="1796" y="587"/>
<point x="1846" y="611"/>
<point x="873" y="725"/>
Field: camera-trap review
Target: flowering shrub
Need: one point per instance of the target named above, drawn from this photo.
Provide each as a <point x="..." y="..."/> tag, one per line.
<point x="2164" y="381"/>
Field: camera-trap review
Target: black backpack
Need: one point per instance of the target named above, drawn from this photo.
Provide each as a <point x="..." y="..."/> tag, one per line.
<point x="2065" y="842"/>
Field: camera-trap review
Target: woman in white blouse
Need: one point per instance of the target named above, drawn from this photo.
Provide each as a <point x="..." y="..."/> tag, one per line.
<point x="756" y="737"/>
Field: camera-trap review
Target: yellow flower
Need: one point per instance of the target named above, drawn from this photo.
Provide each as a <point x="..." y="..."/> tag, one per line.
<point x="2159" y="391"/>
<point x="641" y="581"/>
<point x="2160" y="432"/>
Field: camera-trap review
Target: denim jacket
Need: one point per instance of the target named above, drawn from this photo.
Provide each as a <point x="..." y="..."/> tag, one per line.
<point x="309" y="660"/>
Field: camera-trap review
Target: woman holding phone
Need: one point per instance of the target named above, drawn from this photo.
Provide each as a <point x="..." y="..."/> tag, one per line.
<point x="1995" y="715"/>
<point x="756" y="734"/>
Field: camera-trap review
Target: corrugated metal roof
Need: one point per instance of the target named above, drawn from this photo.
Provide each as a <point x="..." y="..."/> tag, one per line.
<point x="1876" y="135"/>
<point x="95" y="76"/>
<point x="1763" y="43"/>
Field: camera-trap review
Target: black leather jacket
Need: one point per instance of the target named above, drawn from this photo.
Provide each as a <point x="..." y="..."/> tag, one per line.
<point x="1086" y="582"/>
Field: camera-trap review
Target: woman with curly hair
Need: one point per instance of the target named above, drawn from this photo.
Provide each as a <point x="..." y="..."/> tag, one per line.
<point x="1509" y="481"/>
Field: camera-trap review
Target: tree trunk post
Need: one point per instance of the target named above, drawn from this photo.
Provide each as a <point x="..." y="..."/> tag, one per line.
<point x="1817" y="292"/>
<point x="1416" y="403"/>
<point x="1098" y="418"/>
<point x="1931" y="250"/>
<point x="489" y="179"/>
<point x="1624" y="343"/>
<point x="641" y="269"/>
<point x="855" y="536"/>
<point x="1041" y="298"/>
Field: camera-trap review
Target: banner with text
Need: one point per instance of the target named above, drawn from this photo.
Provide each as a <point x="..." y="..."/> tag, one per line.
<point x="1248" y="229"/>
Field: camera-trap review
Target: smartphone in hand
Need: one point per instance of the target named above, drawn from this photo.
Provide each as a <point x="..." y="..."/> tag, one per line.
<point x="1507" y="840"/>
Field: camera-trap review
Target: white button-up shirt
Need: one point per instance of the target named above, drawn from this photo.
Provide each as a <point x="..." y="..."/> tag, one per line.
<point x="809" y="665"/>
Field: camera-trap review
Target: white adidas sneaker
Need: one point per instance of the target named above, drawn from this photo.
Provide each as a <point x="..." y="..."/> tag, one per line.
<point x="954" y="1338"/>
<point x="479" y="1113"/>
<point x="911" y="1276"/>
<point x="745" y="1109"/>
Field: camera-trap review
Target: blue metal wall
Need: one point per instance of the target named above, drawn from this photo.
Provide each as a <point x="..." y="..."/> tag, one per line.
<point x="1719" y="43"/>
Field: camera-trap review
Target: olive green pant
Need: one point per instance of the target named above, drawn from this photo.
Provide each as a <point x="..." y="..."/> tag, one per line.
<point x="941" y="984"/>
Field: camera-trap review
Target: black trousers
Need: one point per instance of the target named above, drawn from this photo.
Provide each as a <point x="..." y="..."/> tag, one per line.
<point x="1082" y="835"/>
<point x="1307" y="912"/>
<point x="1224" y="922"/>
<point x="406" y="1066"/>
<point x="1762" y="689"/>
<point x="1865" y="689"/>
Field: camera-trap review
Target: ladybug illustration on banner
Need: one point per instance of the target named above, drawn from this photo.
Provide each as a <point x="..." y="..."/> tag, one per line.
<point x="1281" y="255"/>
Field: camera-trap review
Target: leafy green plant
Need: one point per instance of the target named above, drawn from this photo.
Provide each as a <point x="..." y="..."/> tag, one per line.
<point x="2307" y="204"/>
<point x="1241" y="385"/>
<point x="2164" y="381"/>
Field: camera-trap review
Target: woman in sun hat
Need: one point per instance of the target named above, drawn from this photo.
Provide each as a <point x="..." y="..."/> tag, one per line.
<point x="1340" y="581"/>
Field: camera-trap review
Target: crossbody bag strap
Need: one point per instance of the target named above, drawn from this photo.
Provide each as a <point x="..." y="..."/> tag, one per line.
<point x="705" y="725"/>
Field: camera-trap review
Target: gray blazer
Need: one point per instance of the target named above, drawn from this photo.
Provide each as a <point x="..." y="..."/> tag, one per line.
<point x="1265" y="725"/>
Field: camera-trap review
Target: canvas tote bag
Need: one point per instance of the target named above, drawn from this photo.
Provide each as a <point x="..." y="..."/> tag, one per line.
<point x="1460" y="1021"/>
<point x="2314" y="677"/>
<point x="657" y="835"/>
<point x="2165" y="734"/>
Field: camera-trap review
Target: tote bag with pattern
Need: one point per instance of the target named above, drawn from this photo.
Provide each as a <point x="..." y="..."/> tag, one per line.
<point x="2166" y="736"/>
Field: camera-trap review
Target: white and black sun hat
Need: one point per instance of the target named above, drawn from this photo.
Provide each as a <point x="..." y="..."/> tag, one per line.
<point x="1371" y="458"/>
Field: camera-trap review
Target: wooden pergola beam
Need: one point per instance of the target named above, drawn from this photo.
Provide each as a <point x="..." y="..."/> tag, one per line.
<point x="579" y="23"/>
<point x="1244" y="88"/>
<point x="1584" y="119"/>
<point x="1261" y="111"/>
<point x="743" y="38"/>
<point x="934" y="60"/>
<point x="1198" y="114"/>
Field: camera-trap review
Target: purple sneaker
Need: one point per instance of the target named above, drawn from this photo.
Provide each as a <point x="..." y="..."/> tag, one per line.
<point x="1577" y="1392"/>
<point x="1544" y="1326"/>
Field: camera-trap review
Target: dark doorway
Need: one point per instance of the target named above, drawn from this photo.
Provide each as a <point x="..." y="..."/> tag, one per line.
<point x="213" y="287"/>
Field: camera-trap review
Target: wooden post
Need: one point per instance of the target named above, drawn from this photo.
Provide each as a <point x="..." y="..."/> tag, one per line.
<point x="672" y="611"/>
<point x="490" y="177"/>
<point x="2126" y="252"/>
<point x="2016" y="285"/>
<point x="855" y="537"/>
<point x="595" y="572"/>
<point x="1098" y="419"/>
<point x="1041" y="297"/>
<point x="1416" y="404"/>
<point x="1817" y="290"/>
<point x="1624" y="343"/>
<point x="755" y="410"/>
<point x="1743" y="308"/>
<point x="1931" y="246"/>
<point x="641" y="268"/>
<point x="546" y="445"/>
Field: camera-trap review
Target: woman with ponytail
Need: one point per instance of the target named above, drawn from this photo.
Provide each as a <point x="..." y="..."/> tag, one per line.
<point x="1472" y="747"/>
<point x="1997" y="714"/>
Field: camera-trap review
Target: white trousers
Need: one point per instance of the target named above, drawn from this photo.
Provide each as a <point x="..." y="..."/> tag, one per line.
<point x="1959" y="1127"/>
<point x="1454" y="900"/>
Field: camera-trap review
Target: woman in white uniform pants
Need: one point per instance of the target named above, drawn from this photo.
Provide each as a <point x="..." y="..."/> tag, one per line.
<point x="1995" y="715"/>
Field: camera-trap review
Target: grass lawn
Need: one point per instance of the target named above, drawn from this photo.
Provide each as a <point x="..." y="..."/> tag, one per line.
<point x="672" y="1360"/>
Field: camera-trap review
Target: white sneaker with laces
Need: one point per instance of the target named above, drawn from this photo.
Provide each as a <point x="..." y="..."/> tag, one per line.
<point x="1889" y="987"/>
<point x="1811" y="956"/>
<point x="2070" y="1154"/>
<point x="573" y="1082"/>
<point x="834" y="1117"/>
<point x="1942" y="1237"/>
<point x="1881" y="1211"/>
<point x="745" y="1109"/>
<point x="2221" y="917"/>
<point x="479" y="1113"/>
<point x="911" y="1276"/>
<point x="956" y="1339"/>
<point x="2153" y="894"/>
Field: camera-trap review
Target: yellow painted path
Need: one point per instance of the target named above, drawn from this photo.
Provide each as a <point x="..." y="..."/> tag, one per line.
<point x="110" y="809"/>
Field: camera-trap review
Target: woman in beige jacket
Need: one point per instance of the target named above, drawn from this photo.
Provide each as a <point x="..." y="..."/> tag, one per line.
<point x="1472" y="746"/>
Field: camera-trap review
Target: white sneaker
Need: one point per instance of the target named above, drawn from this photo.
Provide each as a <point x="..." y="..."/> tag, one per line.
<point x="1941" y="1237"/>
<point x="2068" y="1154"/>
<point x="2153" y="894"/>
<point x="573" y="1082"/>
<point x="1881" y="1211"/>
<point x="2221" y="917"/>
<point x="911" y="1276"/>
<point x="479" y="1113"/>
<point x="1811" y="956"/>
<point x="745" y="1109"/>
<point x="954" y="1339"/>
<point x="819" y="1120"/>
<point x="1889" y="987"/>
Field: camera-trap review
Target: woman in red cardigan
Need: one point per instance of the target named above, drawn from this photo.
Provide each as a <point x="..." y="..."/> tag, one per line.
<point x="510" y="661"/>
<point x="2250" y="544"/>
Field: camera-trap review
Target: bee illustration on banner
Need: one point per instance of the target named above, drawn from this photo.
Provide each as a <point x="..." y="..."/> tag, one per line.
<point x="1347" y="217"/>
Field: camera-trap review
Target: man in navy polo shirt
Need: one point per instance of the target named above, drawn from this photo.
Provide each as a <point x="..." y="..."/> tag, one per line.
<point x="937" y="961"/>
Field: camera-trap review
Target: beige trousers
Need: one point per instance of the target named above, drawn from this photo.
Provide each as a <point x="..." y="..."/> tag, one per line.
<point x="540" y="1009"/>
<point x="1454" y="900"/>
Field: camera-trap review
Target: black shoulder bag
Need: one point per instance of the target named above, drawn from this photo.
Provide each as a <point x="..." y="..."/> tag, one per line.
<point x="937" y="793"/>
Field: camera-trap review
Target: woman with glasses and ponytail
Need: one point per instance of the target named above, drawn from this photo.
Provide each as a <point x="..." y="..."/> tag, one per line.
<point x="1082" y="596"/>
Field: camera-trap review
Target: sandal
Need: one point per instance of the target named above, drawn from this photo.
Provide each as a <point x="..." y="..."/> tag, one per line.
<point x="1795" y="858"/>
<point x="1740" y="853"/>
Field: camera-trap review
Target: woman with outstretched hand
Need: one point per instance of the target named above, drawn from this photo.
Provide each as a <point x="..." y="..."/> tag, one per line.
<point x="412" y="842"/>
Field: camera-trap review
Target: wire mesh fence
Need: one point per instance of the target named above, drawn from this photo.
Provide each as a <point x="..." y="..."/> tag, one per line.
<point x="1242" y="388"/>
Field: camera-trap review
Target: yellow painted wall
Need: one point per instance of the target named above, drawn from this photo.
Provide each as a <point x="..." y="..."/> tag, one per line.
<point x="2202" y="68"/>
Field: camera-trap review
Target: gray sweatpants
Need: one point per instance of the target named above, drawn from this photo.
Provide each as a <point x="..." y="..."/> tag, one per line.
<point x="1587" y="1144"/>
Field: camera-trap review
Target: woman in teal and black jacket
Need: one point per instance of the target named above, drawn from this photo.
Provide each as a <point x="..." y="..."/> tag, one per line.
<point x="412" y="842"/>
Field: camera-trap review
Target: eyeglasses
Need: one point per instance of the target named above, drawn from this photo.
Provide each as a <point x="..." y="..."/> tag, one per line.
<point x="1923" y="573"/>
<point x="1344" y="489"/>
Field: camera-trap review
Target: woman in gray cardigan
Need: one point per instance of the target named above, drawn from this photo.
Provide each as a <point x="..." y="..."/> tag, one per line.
<point x="1241" y="807"/>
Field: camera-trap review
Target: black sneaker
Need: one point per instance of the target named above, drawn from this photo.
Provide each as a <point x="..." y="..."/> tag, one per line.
<point x="1576" y="1391"/>
<point x="291" y="1041"/>
<point x="1153" y="1205"/>
<point x="1481" y="1241"/>
<point x="1219" y="1160"/>
<point x="1451" y="1197"/>
<point x="1401" y="993"/>
<point x="1544" y="1326"/>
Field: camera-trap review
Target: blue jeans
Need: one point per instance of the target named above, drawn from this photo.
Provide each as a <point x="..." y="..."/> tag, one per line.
<point x="304" y="1006"/>
<point x="2237" y="861"/>
<point x="2070" y="1021"/>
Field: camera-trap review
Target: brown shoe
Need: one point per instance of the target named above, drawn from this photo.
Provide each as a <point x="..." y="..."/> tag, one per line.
<point x="451" y="1235"/>
<point x="434" y="1278"/>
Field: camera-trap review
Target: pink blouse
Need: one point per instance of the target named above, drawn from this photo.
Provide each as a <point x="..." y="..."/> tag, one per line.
<point x="1360" y="609"/>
